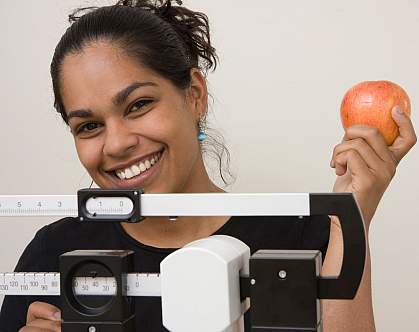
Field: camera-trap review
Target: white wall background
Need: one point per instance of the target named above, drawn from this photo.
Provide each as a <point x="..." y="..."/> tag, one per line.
<point x="285" y="66"/>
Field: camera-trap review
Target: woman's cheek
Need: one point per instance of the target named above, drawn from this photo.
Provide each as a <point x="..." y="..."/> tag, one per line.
<point x="88" y="155"/>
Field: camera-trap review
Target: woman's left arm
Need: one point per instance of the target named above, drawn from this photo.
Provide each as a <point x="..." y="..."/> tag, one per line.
<point x="364" y="165"/>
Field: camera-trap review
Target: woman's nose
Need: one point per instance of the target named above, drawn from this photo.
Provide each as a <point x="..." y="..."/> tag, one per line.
<point x="119" y="140"/>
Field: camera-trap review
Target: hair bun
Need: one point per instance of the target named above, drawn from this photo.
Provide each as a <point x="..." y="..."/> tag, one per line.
<point x="157" y="6"/>
<point x="192" y="27"/>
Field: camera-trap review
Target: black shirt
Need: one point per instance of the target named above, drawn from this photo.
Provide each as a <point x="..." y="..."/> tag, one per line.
<point x="42" y="253"/>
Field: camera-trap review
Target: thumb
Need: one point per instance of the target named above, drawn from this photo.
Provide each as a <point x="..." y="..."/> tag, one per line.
<point x="403" y="142"/>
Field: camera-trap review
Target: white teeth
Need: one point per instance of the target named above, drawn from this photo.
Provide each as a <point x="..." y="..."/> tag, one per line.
<point x="137" y="169"/>
<point x="128" y="173"/>
<point x="121" y="175"/>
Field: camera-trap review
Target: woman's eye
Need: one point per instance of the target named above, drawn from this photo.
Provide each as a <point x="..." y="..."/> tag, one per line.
<point x="87" y="127"/>
<point x="139" y="105"/>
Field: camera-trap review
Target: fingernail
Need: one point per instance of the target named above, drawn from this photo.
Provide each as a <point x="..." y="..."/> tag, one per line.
<point x="398" y="110"/>
<point x="57" y="315"/>
<point x="332" y="164"/>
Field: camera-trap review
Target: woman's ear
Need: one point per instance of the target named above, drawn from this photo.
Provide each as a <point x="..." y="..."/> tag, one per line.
<point x="198" y="93"/>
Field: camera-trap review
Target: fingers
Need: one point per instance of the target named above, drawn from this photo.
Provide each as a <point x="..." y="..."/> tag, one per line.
<point x="45" y="325"/>
<point x="407" y="136"/>
<point x="354" y="162"/>
<point x="34" y="329"/>
<point x="373" y="137"/>
<point x="372" y="160"/>
<point x="42" y="310"/>
<point x="372" y="157"/>
<point x="42" y="317"/>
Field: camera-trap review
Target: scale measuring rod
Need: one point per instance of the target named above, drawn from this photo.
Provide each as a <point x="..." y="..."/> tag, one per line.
<point x="108" y="273"/>
<point x="123" y="206"/>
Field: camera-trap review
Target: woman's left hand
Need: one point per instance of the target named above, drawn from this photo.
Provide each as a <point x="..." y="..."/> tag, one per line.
<point x="365" y="165"/>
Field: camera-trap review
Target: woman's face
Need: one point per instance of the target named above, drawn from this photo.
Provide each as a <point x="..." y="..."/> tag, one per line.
<point x="132" y="128"/>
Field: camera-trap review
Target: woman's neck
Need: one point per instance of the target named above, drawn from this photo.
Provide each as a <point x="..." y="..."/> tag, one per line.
<point x="164" y="233"/>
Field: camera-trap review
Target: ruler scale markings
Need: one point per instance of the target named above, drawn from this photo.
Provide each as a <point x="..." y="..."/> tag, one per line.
<point x="48" y="283"/>
<point x="213" y="204"/>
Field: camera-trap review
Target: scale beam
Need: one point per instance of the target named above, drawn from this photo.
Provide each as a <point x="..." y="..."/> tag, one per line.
<point x="48" y="283"/>
<point x="217" y="204"/>
<point x="208" y="280"/>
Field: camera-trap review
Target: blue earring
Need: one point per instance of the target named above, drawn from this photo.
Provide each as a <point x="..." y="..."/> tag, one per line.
<point x="201" y="136"/>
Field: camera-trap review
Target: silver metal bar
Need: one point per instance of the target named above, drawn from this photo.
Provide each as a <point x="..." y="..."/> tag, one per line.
<point x="208" y="204"/>
<point x="48" y="283"/>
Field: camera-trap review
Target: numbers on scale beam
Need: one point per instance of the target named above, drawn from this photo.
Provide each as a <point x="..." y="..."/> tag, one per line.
<point x="48" y="283"/>
<point x="109" y="205"/>
<point x="45" y="205"/>
<point x="13" y="283"/>
<point x="22" y="283"/>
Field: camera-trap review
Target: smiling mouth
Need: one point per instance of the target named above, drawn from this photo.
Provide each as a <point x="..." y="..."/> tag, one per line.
<point x="139" y="167"/>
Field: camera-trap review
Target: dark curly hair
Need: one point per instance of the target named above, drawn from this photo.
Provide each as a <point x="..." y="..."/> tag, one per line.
<point x="161" y="35"/>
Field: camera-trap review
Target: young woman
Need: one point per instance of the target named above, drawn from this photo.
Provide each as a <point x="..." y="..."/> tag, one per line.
<point x="129" y="80"/>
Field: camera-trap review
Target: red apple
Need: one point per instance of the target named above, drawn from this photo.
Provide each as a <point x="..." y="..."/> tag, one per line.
<point x="370" y="103"/>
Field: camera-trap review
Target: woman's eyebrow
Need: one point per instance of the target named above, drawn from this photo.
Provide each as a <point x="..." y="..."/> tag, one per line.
<point x="79" y="114"/>
<point x="117" y="100"/>
<point x="122" y="95"/>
